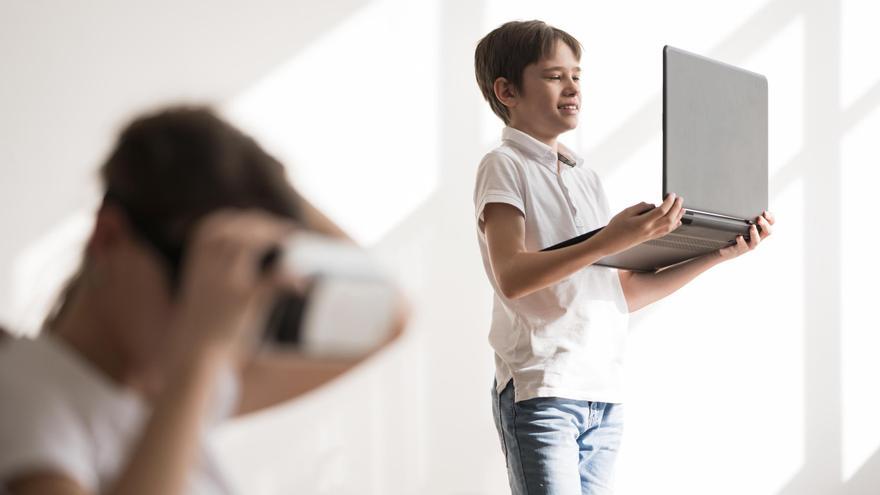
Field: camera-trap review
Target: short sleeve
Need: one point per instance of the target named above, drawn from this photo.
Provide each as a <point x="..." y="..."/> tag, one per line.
<point x="498" y="181"/>
<point x="38" y="433"/>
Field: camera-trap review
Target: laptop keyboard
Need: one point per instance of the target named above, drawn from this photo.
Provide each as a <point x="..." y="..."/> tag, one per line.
<point x="687" y="243"/>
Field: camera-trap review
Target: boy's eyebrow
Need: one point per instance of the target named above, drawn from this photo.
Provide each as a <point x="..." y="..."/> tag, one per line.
<point x="559" y="67"/>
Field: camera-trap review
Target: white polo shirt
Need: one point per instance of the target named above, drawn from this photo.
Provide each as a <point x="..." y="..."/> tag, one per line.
<point x="566" y="340"/>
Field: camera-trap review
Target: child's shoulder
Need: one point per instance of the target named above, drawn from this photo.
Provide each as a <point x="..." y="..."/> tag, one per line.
<point x="502" y="156"/>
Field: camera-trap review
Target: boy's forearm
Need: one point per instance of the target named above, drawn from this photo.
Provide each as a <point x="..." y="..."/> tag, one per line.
<point x="275" y="374"/>
<point x="642" y="289"/>
<point x="161" y="459"/>
<point x="526" y="272"/>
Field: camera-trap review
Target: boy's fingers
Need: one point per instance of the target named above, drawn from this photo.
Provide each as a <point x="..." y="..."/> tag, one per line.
<point x="673" y="218"/>
<point x="639" y="208"/>
<point x="754" y="237"/>
<point x="770" y="218"/>
<point x="670" y="218"/>
<point x="664" y="207"/>
<point x="766" y="230"/>
<point x="677" y="207"/>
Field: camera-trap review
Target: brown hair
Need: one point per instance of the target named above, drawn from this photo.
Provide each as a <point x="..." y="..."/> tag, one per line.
<point x="508" y="49"/>
<point x="172" y="167"/>
<point x="175" y="166"/>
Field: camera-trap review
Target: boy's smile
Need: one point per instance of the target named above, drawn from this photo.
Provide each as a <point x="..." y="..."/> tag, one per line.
<point x="548" y="103"/>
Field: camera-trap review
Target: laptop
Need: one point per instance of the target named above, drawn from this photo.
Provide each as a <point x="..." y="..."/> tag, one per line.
<point x="714" y="156"/>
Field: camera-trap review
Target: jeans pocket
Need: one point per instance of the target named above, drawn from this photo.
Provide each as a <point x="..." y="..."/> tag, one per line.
<point x="499" y="419"/>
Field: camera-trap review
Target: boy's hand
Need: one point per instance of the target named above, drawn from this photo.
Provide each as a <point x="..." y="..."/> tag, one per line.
<point x="642" y="222"/>
<point x="755" y="237"/>
<point x="224" y="294"/>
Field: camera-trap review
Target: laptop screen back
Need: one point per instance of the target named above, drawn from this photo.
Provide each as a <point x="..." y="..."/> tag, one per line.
<point x="714" y="135"/>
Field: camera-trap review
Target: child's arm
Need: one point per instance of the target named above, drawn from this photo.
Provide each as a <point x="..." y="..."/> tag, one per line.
<point x="642" y="289"/>
<point x="519" y="272"/>
<point x="276" y="375"/>
<point x="316" y="220"/>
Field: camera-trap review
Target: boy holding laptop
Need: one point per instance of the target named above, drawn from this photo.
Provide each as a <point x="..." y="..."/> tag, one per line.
<point x="559" y="322"/>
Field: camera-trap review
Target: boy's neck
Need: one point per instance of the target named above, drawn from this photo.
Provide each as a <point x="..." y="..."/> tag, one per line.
<point x="549" y="140"/>
<point x="85" y="332"/>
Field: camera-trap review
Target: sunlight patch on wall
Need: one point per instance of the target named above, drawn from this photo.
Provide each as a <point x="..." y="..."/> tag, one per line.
<point x="354" y="116"/>
<point x="638" y="177"/>
<point x="43" y="266"/>
<point x="860" y="339"/>
<point x="859" y="40"/>
<point x="781" y="60"/>
<point x="730" y="345"/>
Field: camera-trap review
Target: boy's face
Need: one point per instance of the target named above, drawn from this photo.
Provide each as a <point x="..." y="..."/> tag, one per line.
<point x="549" y="101"/>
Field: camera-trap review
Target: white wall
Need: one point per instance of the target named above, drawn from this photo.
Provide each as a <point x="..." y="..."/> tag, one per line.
<point x="758" y="378"/>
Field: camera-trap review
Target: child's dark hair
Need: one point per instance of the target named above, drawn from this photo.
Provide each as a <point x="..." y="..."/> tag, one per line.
<point x="508" y="49"/>
<point x="175" y="166"/>
<point x="171" y="168"/>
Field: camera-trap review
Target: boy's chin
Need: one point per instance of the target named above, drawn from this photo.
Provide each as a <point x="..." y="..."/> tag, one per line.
<point x="569" y="124"/>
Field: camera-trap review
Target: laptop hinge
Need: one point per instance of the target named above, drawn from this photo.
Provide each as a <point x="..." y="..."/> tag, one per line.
<point x="716" y="215"/>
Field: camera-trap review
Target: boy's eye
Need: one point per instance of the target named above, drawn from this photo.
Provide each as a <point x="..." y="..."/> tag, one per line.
<point x="557" y="78"/>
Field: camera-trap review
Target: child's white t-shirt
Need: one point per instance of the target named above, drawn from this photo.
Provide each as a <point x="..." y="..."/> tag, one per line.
<point x="60" y="414"/>
<point x="566" y="340"/>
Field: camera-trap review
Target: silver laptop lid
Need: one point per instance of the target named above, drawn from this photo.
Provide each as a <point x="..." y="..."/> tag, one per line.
<point x="714" y="135"/>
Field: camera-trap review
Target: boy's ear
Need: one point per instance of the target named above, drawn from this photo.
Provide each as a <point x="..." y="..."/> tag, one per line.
<point x="111" y="226"/>
<point x="505" y="92"/>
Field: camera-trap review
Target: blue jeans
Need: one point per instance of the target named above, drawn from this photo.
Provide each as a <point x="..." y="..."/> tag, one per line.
<point x="557" y="446"/>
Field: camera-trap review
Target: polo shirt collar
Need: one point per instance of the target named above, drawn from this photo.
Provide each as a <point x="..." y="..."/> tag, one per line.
<point x="539" y="151"/>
